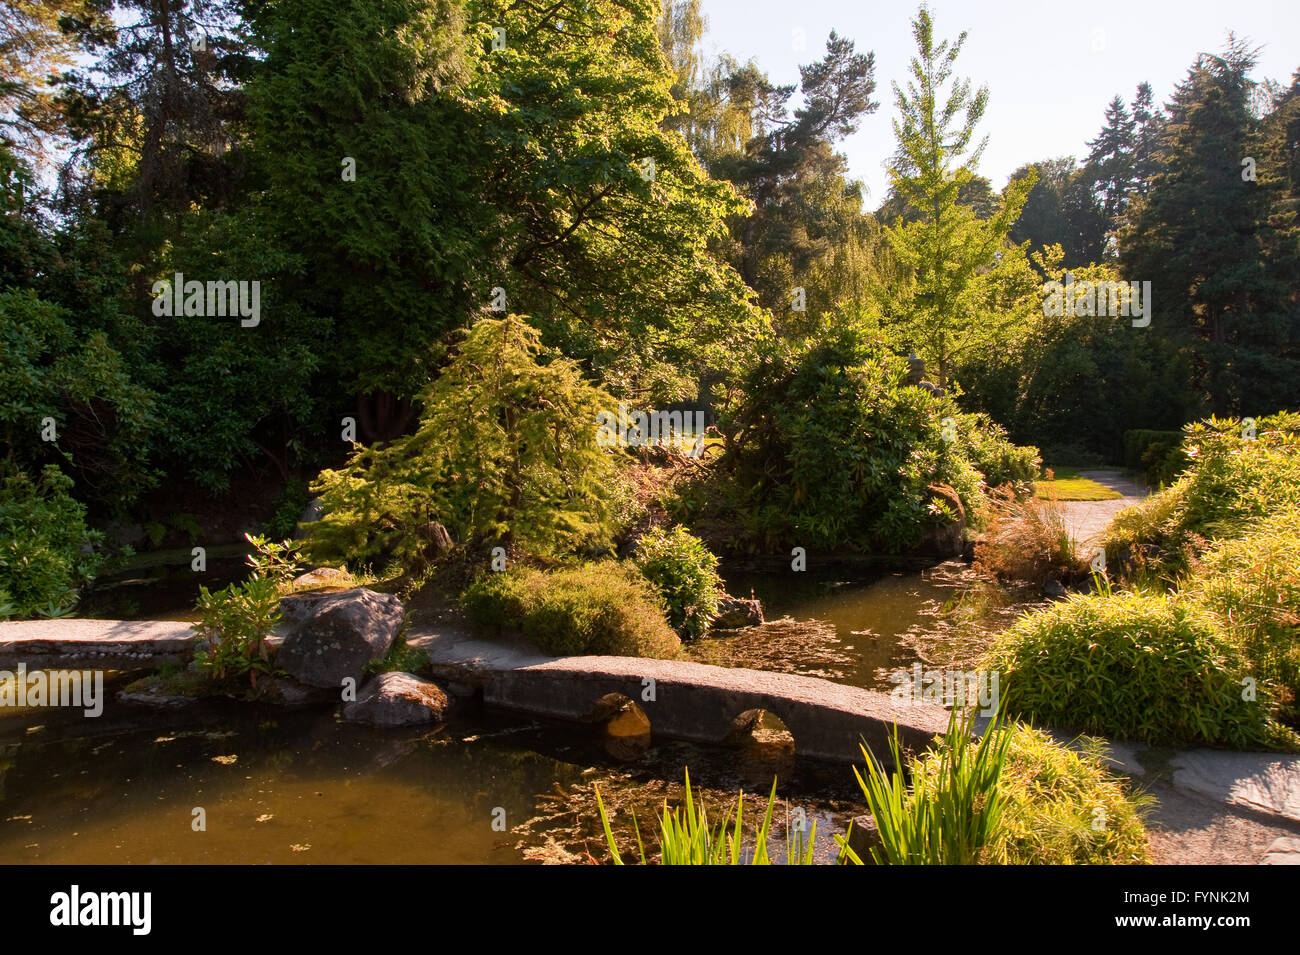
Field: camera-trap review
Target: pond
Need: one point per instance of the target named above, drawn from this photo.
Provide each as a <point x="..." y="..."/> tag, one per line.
<point x="857" y="627"/>
<point x="303" y="787"/>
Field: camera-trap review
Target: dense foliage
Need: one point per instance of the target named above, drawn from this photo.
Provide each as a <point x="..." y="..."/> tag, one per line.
<point x="1061" y="806"/>
<point x="598" y="608"/>
<point x="685" y="574"/>
<point x="386" y="169"/>
<point x="46" y="551"/>
<point x="1240" y="474"/>
<point x="1253" y="584"/>
<point x="1133" y="666"/>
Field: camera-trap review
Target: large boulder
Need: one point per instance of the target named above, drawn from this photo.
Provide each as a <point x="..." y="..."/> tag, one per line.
<point x="735" y="613"/>
<point x="332" y="636"/>
<point x="399" y="699"/>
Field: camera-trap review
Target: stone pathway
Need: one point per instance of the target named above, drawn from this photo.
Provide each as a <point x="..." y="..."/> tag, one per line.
<point x="1218" y="807"/>
<point x="1087" y="519"/>
<point x="78" y="642"/>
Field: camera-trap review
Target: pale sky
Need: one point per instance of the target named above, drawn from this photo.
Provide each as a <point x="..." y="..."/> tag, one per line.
<point x="1051" y="68"/>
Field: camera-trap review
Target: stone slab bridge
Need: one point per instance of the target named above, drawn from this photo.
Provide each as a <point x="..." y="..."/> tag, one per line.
<point x="689" y="701"/>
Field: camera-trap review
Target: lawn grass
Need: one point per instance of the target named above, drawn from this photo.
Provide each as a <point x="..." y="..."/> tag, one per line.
<point x="1068" y="486"/>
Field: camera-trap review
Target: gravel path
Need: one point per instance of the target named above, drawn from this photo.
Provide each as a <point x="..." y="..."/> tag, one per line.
<point x="1087" y="519"/>
<point x="1217" y="807"/>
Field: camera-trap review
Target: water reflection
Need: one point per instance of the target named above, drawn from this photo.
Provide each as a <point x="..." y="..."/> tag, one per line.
<point x="304" y="787"/>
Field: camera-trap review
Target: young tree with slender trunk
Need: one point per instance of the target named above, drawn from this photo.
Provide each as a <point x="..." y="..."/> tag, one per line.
<point x="946" y="253"/>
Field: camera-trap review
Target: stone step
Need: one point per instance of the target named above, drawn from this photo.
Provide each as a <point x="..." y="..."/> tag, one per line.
<point x="80" y="644"/>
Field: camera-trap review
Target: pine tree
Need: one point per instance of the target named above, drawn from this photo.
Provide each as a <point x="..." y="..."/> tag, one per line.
<point x="806" y="212"/>
<point x="1147" y="120"/>
<point x="1197" y="236"/>
<point x="158" y="115"/>
<point x="34" y="46"/>
<point x="1110" y="163"/>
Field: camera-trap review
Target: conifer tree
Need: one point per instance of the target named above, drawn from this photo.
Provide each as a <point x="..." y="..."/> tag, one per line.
<point x="1110" y="163"/>
<point x="1197" y="235"/>
<point x="946" y="253"/>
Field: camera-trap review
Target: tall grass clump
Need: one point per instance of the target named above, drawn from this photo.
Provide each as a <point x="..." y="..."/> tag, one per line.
<point x="1014" y="797"/>
<point x="1026" y="539"/>
<point x="599" y="608"/>
<point x="952" y="811"/>
<point x="686" y="837"/>
<point x="1133" y="666"/>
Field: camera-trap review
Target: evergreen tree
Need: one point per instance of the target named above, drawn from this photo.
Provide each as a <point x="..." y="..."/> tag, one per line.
<point x="1147" y="120"/>
<point x="507" y="453"/>
<point x="940" y="309"/>
<point x="806" y="214"/>
<point x="1196" y="235"/>
<point x="158" y="114"/>
<point x="369" y="163"/>
<point x="37" y="43"/>
<point x="1110" y="163"/>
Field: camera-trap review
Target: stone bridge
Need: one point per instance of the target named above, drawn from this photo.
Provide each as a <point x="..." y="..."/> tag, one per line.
<point x="688" y="701"/>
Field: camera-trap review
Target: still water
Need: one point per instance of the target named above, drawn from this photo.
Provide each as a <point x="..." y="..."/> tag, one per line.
<point x="850" y="628"/>
<point x="304" y="787"/>
<point x="277" y="786"/>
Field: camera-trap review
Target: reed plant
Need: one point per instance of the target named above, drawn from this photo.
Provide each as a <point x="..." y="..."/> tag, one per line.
<point x="948" y="817"/>
<point x="686" y="837"/>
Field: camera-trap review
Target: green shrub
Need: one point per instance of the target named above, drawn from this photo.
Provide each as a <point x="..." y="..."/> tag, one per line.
<point x="1062" y="807"/>
<point x="1132" y="666"/>
<point x="686" y="575"/>
<point x="42" y="535"/>
<point x="1162" y="463"/>
<point x="830" y="447"/>
<point x="1138" y="442"/>
<point x="993" y="454"/>
<point x="233" y="626"/>
<point x="1231" y="484"/>
<point x="1253" y="584"/>
<point x="506" y="453"/>
<point x="52" y="365"/>
<point x="598" y="608"/>
<point x="235" y="621"/>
